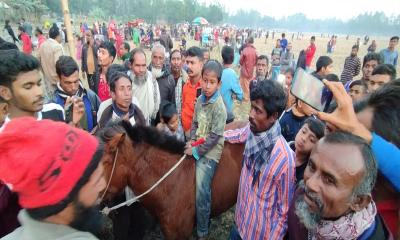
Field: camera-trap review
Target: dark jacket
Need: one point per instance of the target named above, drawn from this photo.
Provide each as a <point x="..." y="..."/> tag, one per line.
<point x="166" y="41"/>
<point x="108" y="112"/>
<point x="92" y="103"/>
<point x="297" y="231"/>
<point x="85" y="48"/>
<point x="9" y="209"/>
<point x="166" y="85"/>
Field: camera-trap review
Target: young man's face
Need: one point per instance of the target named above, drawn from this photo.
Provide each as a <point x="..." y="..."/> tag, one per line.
<point x="176" y="62"/>
<point x="327" y="70"/>
<point x="210" y="83"/>
<point x="368" y="69"/>
<point x="376" y="81"/>
<point x="123" y="93"/>
<point x="195" y="66"/>
<point x="259" y="119"/>
<point x="354" y="52"/>
<point x="25" y="94"/>
<point x="357" y="92"/>
<point x="123" y="50"/>
<point x="206" y="56"/>
<point x="70" y="84"/>
<point x="393" y="43"/>
<point x="261" y="68"/>
<point x="104" y="57"/>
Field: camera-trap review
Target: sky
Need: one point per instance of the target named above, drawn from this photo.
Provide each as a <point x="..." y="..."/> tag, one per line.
<point x="314" y="9"/>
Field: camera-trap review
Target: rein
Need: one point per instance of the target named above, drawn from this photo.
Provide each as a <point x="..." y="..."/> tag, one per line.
<point x="112" y="174"/>
<point x="107" y="210"/>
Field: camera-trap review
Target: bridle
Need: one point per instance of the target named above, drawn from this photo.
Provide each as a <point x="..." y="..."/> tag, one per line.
<point x="111" y="175"/>
<point x="107" y="210"/>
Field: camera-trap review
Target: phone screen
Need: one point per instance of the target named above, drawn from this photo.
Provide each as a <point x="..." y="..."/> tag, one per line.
<point x="311" y="90"/>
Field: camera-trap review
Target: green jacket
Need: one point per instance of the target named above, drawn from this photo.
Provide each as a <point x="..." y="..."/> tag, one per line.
<point x="209" y="123"/>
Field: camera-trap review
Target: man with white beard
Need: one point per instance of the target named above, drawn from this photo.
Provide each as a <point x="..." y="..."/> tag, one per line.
<point x="144" y="86"/>
<point x="161" y="72"/>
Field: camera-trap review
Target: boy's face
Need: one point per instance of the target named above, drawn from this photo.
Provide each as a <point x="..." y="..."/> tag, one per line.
<point x="26" y="93"/>
<point x="210" y="83"/>
<point x="173" y="123"/>
<point x="305" y="140"/>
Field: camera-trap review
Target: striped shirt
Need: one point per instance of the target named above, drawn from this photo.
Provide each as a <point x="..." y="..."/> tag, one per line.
<point x="352" y="67"/>
<point x="261" y="211"/>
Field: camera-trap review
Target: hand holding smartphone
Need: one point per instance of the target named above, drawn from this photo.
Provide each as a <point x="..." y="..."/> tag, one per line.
<point x="311" y="90"/>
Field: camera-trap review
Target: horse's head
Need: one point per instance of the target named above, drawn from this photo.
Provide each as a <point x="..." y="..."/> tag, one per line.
<point x="117" y="149"/>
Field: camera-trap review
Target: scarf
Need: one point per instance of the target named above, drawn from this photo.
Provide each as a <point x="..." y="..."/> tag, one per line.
<point x="350" y="226"/>
<point x="119" y="114"/>
<point x="64" y="95"/>
<point x="259" y="147"/>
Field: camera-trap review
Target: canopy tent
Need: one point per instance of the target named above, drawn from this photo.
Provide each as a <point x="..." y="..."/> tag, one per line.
<point x="200" y="21"/>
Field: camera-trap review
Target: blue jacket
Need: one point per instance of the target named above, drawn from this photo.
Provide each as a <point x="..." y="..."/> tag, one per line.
<point x="388" y="159"/>
<point x="91" y="101"/>
<point x="230" y="85"/>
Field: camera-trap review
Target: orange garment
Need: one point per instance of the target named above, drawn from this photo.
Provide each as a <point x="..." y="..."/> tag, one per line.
<point x="189" y="96"/>
<point x="245" y="85"/>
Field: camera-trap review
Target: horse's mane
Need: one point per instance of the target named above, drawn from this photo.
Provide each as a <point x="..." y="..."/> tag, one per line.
<point x="139" y="134"/>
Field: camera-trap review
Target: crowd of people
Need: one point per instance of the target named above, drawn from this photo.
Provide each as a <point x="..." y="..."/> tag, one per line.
<point x="306" y="174"/>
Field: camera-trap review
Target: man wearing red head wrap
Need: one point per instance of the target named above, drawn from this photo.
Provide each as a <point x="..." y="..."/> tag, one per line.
<point x="57" y="176"/>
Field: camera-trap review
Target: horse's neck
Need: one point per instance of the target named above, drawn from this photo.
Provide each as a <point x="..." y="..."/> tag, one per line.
<point x="149" y="165"/>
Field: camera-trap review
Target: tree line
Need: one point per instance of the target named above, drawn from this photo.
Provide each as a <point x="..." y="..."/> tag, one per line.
<point x="177" y="11"/>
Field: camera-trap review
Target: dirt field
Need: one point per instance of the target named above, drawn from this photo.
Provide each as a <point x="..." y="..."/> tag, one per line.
<point x="220" y="226"/>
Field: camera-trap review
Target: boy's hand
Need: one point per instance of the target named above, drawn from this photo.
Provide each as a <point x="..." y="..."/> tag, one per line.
<point x="188" y="151"/>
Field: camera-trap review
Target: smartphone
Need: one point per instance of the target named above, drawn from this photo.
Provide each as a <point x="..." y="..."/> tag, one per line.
<point x="311" y="90"/>
<point x="198" y="92"/>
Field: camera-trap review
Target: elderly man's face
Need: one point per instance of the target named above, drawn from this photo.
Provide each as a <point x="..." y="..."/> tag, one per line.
<point x="157" y="58"/>
<point x="332" y="173"/>
<point x="261" y="68"/>
<point x="138" y="66"/>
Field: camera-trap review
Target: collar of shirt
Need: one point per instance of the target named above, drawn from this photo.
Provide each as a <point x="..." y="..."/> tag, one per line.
<point x="212" y="99"/>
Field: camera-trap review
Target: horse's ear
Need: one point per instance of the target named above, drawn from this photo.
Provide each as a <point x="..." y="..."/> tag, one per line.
<point x="116" y="141"/>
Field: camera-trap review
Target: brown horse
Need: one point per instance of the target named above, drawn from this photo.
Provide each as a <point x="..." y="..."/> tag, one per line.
<point x="145" y="155"/>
